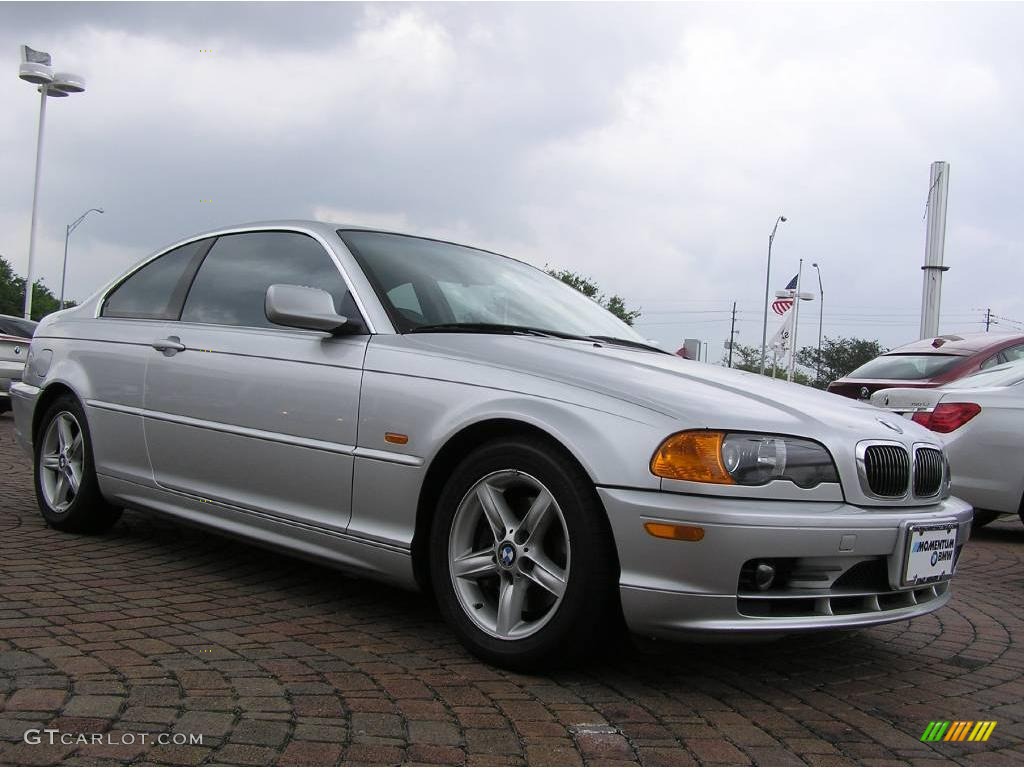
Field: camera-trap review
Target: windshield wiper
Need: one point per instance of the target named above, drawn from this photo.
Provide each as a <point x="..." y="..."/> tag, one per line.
<point x="629" y="343"/>
<point x="525" y="330"/>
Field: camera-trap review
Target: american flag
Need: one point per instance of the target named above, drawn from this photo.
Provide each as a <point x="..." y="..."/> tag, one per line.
<point x="782" y="306"/>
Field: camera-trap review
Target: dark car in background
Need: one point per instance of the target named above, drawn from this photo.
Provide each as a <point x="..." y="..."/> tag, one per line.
<point x="15" y="336"/>
<point x="931" y="362"/>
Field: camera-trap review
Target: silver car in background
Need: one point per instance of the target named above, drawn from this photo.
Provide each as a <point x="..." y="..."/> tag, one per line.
<point x="449" y="419"/>
<point x="15" y="337"/>
<point x="980" y="419"/>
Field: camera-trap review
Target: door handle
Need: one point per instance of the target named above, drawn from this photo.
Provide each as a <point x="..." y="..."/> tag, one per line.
<point x="170" y="346"/>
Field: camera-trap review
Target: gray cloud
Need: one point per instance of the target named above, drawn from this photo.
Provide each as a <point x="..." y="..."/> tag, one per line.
<point x="650" y="146"/>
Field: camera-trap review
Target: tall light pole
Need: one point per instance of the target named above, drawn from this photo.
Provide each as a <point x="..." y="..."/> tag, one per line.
<point x="35" y="68"/>
<point x="821" y="317"/>
<point x="767" y="281"/>
<point x="67" y="234"/>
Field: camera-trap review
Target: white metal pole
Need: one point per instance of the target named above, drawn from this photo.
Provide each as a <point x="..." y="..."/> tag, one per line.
<point x="935" y="243"/>
<point x="64" y="267"/>
<point x="767" y="284"/>
<point x="796" y="322"/>
<point x="29" y="281"/>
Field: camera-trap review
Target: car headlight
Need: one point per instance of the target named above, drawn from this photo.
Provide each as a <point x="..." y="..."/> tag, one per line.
<point x="738" y="458"/>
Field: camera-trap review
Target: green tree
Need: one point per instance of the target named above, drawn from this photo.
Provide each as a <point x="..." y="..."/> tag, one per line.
<point x="614" y="304"/>
<point x="12" y="295"/>
<point x="839" y="356"/>
<point x="748" y="358"/>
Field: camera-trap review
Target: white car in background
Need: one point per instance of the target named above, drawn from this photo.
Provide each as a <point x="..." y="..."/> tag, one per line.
<point x="15" y="337"/>
<point x="982" y="418"/>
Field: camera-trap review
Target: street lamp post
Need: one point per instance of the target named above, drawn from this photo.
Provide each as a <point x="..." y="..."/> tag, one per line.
<point x="821" y="316"/>
<point x="67" y="234"/>
<point x="36" y="69"/>
<point x="767" y="283"/>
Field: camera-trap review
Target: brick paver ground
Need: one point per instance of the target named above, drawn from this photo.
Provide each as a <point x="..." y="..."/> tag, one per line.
<point x="157" y="628"/>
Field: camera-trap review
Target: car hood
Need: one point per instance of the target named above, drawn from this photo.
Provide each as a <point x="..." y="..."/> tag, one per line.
<point x="698" y="395"/>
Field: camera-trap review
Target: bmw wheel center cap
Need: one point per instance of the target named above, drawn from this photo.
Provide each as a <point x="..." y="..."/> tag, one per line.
<point x="506" y="554"/>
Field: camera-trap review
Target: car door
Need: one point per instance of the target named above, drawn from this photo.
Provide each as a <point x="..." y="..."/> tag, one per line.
<point x="249" y="414"/>
<point x="114" y="348"/>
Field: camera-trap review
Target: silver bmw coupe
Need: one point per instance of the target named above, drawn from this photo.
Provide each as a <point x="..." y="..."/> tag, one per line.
<point x="453" y="420"/>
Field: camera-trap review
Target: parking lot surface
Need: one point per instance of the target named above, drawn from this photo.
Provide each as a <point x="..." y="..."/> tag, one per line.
<point x="157" y="628"/>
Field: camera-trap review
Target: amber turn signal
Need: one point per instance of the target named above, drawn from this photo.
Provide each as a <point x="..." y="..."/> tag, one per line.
<point x="677" y="532"/>
<point x="396" y="438"/>
<point x="695" y="456"/>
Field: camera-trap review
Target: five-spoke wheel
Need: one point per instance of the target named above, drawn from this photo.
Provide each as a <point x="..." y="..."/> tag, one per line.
<point x="67" y="490"/>
<point x="522" y="560"/>
<point x="509" y="554"/>
<point x="62" y="460"/>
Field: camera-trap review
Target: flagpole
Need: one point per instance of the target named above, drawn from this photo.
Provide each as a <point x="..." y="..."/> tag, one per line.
<point x="796" y="322"/>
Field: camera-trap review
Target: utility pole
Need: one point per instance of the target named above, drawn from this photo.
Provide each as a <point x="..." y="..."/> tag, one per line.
<point x="732" y="333"/>
<point x="934" y="246"/>
<point x="988" y="318"/>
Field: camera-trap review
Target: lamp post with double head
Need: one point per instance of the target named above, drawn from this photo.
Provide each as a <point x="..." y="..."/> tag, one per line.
<point x="821" y="317"/>
<point x="67" y="235"/>
<point x="36" y="69"/>
<point x="767" y="285"/>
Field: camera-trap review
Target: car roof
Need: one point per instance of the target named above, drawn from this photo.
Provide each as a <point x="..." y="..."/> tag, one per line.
<point x="957" y="343"/>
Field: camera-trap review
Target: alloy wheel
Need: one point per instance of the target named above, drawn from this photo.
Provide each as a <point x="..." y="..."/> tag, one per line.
<point x="62" y="461"/>
<point x="509" y="554"/>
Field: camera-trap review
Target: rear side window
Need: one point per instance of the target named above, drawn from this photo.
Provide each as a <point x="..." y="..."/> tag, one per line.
<point x="230" y="287"/>
<point x="906" y="367"/>
<point x="1012" y="354"/>
<point x="156" y="291"/>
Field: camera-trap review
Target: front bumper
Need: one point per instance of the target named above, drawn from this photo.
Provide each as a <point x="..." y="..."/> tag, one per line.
<point x="842" y="563"/>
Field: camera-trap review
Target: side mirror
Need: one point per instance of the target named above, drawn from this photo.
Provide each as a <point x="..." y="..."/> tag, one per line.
<point x="297" y="306"/>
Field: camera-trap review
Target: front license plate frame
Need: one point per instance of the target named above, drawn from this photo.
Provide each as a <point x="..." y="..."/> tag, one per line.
<point x="929" y="563"/>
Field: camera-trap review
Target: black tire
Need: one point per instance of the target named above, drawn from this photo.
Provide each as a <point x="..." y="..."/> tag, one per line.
<point x="88" y="511"/>
<point x="983" y="517"/>
<point x="589" y="613"/>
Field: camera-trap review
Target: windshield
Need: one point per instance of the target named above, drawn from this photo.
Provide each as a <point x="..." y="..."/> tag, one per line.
<point x="15" y="326"/>
<point x="430" y="283"/>
<point x="1005" y="375"/>
<point x="906" y="367"/>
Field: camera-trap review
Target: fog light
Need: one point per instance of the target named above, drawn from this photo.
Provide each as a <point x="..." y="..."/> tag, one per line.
<point x="764" y="576"/>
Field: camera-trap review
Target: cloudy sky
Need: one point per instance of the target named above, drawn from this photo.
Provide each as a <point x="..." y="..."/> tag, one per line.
<point x="649" y="146"/>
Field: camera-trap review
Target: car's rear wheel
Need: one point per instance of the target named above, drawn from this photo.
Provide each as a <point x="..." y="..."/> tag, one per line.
<point x="67" y="491"/>
<point x="522" y="559"/>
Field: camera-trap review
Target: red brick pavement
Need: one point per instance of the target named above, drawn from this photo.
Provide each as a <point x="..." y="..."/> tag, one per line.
<point x="157" y="628"/>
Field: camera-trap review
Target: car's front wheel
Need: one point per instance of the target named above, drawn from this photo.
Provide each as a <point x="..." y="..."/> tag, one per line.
<point x="522" y="559"/>
<point x="67" y="491"/>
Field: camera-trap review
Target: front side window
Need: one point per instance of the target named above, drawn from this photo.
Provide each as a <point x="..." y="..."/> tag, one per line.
<point x="230" y="287"/>
<point x="155" y="291"/>
<point x="453" y="284"/>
